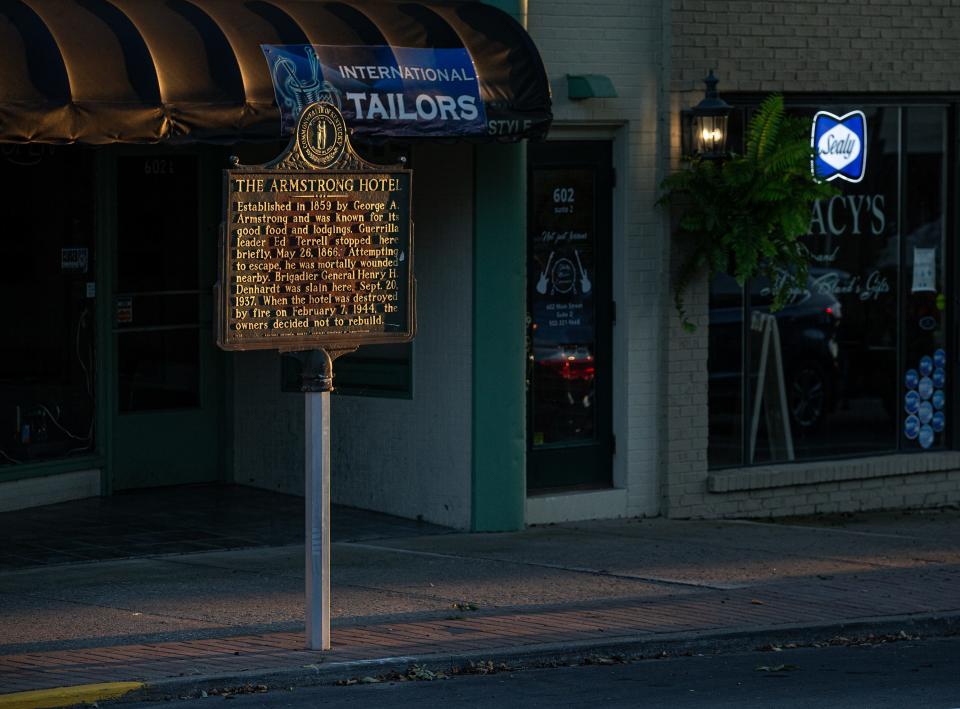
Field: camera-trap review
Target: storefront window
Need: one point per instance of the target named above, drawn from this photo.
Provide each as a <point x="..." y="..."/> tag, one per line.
<point x="47" y="363"/>
<point x="856" y="362"/>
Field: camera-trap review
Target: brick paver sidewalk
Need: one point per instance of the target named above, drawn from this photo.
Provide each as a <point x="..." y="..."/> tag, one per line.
<point x="837" y="599"/>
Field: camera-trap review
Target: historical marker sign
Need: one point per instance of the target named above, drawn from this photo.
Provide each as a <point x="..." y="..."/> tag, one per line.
<point x="317" y="258"/>
<point x="317" y="247"/>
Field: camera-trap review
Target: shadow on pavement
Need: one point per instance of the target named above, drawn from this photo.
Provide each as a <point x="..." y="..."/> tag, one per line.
<point x="177" y="520"/>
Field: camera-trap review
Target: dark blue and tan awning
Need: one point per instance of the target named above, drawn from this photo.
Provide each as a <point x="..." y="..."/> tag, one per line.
<point x="131" y="71"/>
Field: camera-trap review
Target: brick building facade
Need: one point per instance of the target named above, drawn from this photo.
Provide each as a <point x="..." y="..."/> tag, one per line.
<point x="876" y="51"/>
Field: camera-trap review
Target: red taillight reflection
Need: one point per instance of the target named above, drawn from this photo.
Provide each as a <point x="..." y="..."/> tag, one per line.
<point x="570" y="363"/>
<point x="577" y="370"/>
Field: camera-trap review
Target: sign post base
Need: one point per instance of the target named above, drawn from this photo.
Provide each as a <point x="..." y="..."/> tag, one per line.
<point x="317" y="542"/>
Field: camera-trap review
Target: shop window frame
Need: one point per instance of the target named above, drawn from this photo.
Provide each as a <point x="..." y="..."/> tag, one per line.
<point x="742" y="103"/>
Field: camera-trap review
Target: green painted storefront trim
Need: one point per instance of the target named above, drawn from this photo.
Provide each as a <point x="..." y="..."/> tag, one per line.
<point x="498" y="450"/>
<point x="56" y="466"/>
<point x="511" y="7"/>
<point x="499" y="339"/>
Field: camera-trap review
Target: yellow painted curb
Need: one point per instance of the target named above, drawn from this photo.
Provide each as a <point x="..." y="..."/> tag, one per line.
<point x="67" y="696"/>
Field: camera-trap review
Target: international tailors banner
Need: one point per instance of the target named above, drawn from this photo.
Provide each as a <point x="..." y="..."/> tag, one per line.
<point x="387" y="91"/>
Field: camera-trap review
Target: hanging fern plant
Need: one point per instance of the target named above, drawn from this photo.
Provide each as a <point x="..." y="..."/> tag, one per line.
<point x="744" y="215"/>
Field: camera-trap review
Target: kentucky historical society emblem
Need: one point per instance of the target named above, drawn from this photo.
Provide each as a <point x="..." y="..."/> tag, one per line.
<point x="321" y="135"/>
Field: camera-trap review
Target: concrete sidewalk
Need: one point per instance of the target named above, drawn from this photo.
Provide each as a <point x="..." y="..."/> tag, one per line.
<point x="228" y="617"/>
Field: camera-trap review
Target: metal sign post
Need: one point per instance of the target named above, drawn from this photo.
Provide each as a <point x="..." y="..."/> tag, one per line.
<point x="317" y="385"/>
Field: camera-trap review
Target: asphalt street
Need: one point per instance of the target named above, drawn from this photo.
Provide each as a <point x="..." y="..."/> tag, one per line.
<point x="920" y="674"/>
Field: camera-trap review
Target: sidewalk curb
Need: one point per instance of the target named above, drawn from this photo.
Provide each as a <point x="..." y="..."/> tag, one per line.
<point x="67" y="696"/>
<point x="647" y="645"/>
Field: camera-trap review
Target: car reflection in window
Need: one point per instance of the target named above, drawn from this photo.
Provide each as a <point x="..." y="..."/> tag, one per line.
<point x="564" y="383"/>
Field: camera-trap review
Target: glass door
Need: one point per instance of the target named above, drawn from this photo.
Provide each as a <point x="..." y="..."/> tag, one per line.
<point x="569" y="297"/>
<point x="165" y="428"/>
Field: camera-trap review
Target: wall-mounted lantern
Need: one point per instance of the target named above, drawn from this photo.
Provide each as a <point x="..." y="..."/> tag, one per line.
<point x="705" y="125"/>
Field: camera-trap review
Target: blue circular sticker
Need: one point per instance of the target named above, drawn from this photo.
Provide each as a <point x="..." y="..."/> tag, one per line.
<point x="911" y="401"/>
<point x="926" y="436"/>
<point x="911" y="379"/>
<point x="939" y="358"/>
<point x="938" y="399"/>
<point x="925" y="388"/>
<point x="938" y="421"/>
<point x="911" y="427"/>
<point x="939" y="377"/>
<point x="926" y="365"/>
<point x="925" y="412"/>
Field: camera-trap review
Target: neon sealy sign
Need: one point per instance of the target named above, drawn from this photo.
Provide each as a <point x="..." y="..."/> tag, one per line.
<point x="839" y="146"/>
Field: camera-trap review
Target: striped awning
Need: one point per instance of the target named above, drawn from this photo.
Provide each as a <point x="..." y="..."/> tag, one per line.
<point x="134" y="71"/>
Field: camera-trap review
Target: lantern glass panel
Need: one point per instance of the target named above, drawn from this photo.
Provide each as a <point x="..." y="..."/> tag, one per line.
<point x="710" y="135"/>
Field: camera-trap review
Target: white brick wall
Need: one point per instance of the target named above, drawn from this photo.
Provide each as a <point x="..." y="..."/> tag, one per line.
<point x="406" y="457"/>
<point x="267" y="426"/>
<point x="413" y="458"/>
<point x="622" y="39"/>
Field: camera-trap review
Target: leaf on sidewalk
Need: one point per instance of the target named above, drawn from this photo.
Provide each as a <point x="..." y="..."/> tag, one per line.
<point x="770" y="648"/>
<point x="481" y="667"/>
<point x="604" y="660"/>
<point x="420" y="673"/>
<point x="776" y="668"/>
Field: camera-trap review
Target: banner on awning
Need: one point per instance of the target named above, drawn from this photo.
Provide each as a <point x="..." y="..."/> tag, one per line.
<point x="382" y="90"/>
